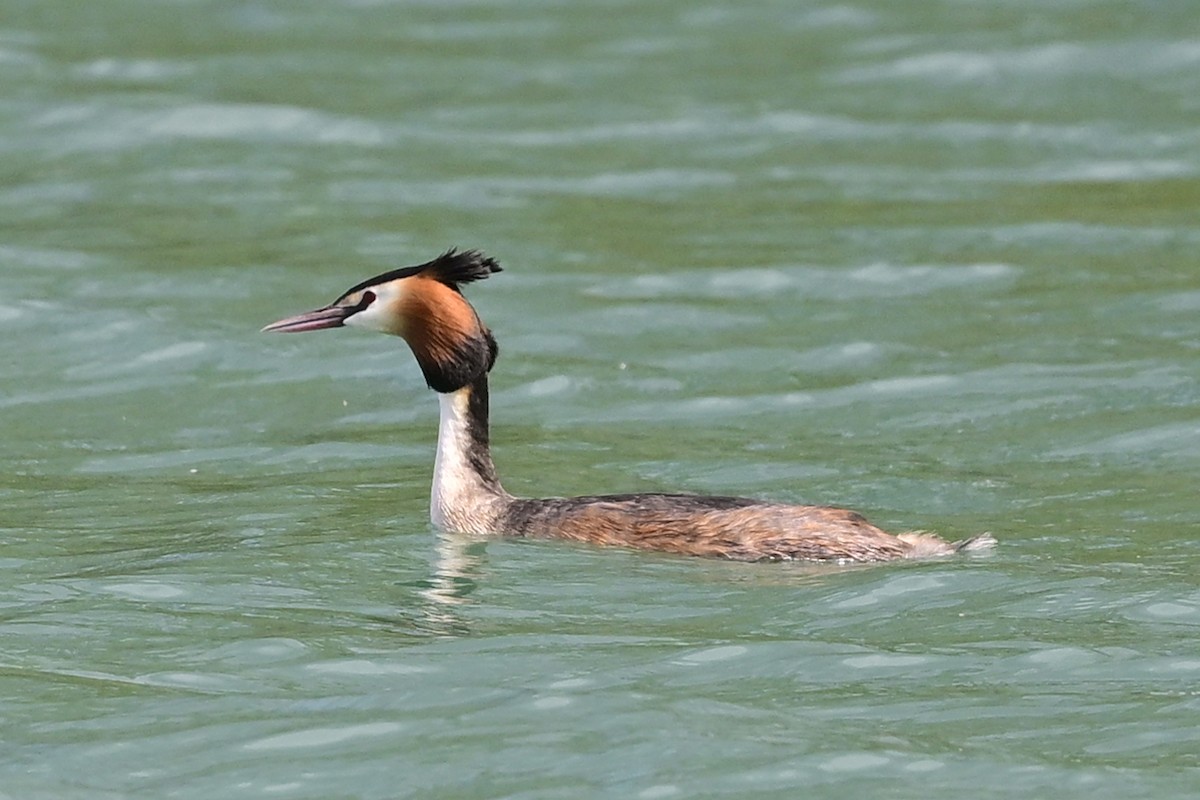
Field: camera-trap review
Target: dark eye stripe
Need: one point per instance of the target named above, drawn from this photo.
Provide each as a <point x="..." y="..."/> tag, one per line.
<point x="366" y="300"/>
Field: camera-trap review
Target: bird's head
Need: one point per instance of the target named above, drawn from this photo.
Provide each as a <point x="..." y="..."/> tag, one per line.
<point x="424" y="306"/>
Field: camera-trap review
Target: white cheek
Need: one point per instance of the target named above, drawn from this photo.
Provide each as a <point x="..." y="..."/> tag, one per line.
<point x="378" y="316"/>
<point x="369" y="319"/>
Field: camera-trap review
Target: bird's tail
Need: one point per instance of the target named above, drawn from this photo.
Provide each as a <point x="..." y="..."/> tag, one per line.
<point x="926" y="545"/>
<point x="980" y="541"/>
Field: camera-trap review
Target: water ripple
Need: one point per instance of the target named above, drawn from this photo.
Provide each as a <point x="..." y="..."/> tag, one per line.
<point x="87" y="127"/>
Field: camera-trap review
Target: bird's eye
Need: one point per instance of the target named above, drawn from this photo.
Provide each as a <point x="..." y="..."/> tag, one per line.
<point x="364" y="302"/>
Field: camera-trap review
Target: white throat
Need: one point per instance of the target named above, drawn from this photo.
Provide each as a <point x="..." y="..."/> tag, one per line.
<point x="461" y="501"/>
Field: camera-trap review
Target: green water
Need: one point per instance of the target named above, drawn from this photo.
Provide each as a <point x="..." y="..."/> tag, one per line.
<point x="933" y="261"/>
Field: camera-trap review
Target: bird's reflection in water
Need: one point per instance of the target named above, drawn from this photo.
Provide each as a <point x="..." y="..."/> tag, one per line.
<point x="456" y="572"/>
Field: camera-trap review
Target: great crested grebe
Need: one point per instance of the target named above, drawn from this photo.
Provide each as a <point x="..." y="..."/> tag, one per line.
<point x="455" y="350"/>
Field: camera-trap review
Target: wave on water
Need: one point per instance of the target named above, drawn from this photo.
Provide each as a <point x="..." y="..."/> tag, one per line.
<point x="880" y="279"/>
<point x="1053" y="60"/>
<point x="95" y="126"/>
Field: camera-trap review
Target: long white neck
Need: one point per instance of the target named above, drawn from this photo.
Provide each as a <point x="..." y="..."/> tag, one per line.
<point x="467" y="496"/>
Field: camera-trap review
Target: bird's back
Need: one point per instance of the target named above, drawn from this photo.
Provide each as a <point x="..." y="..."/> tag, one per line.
<point x="735" y="528"/>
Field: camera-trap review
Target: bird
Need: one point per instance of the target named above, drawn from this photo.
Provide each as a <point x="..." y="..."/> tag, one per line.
<point x="424" y="305"/>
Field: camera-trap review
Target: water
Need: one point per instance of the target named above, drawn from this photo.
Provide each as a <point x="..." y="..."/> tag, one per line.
<point x="934" y="262"/>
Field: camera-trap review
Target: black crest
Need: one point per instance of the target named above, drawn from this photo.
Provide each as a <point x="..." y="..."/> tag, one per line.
<point x="451" y="268"/>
